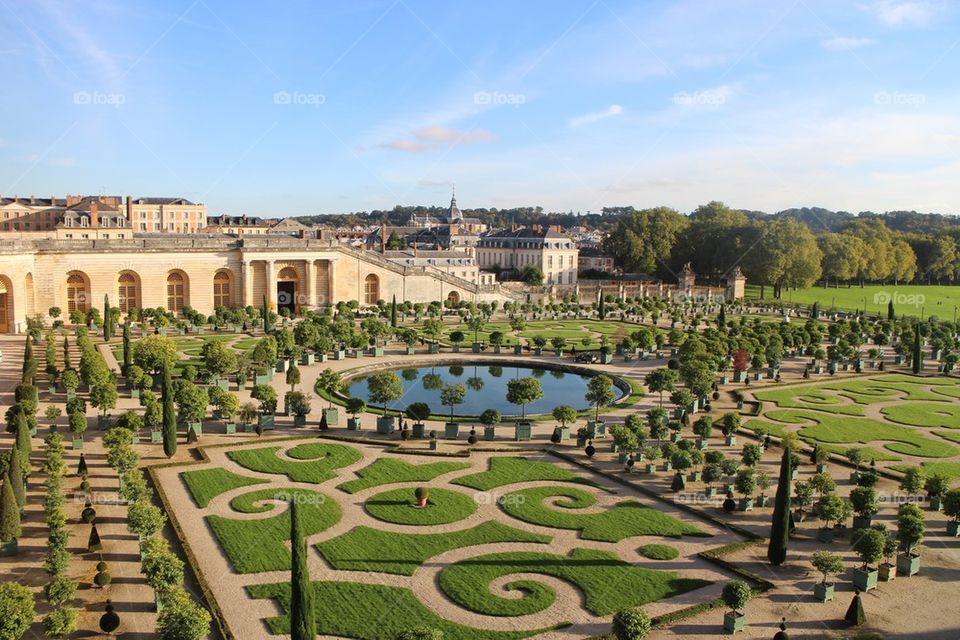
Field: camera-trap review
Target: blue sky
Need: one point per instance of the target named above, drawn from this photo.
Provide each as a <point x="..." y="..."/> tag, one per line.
<point x="290" y="108"/>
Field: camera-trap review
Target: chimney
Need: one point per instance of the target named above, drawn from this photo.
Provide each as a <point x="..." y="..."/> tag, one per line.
<point x="93" y="213"/>
<point x="130" y="209"/>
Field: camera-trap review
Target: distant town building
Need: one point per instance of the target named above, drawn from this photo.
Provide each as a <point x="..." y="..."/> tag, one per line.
<point x="100" y="214"/>
<point x="548" y="248"/>
<point x="594" y="259"/>
<point x="455" y="263"/>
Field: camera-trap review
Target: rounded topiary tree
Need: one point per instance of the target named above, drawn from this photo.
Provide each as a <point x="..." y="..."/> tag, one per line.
<point x="109" y="621"/>
<point x="869" y="544"/>
<point x="103" y="577"/>
<point x="631" y="624"/>
<point x="736" y="594"/>
<point x="422" y="494"/>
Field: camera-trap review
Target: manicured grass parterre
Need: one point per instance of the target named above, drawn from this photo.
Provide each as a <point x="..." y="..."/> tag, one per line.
<point x="592" y="571"/>
<point x="949" y="469"/>
<point x="372" y="612"/>
<point x="398" y="506"/>
<point x="507" y="470"/>
<point x="659" y="552"/>
<point x="623" y="520"/>
<point x="831" y="429"/>
<point x="924" y="414"/>
<point x="309" y="462"/>
<point x="366" y="549"/>
<point x="207" y="484"/>
<point x="808" y="398"/>
<point x="391" y="470"/>
<point x="259" y="545"/>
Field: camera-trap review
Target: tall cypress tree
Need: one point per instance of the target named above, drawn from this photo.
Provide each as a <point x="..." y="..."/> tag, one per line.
<point x="303" y="620"/>
<point x="266" y="316"/>
<point x="24" y="445"/>
<point x="169" y="414"/>
<point x="815" y="311"/>
<point x="9" y="514"/>
<point x="393" y="312"/>
<point x="722" y="318"/>
<point x="601" y="307"/>
<point x="29" y="367"/>
<point x="890" y="314"/>
<point x="127" y="356"/>
<point x="917" y="364"/>
<point x="66" y="353"/>
<point x="780" y="528"/>
<point x="15" y="477"/>
<point x="107" y="325"/>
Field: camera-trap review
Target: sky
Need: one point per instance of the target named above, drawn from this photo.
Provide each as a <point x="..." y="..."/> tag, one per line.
<point x="300" y="108"/>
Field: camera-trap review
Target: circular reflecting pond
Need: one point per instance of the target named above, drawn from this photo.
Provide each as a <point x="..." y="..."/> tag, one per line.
<point x="486" y="387"/>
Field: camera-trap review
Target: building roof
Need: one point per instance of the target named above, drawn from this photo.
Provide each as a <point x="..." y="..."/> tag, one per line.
<point x="225" y="220"/>
<point x="183" y="201"/>
<point x="85" y="202"/>
<point x="535" y="232"/>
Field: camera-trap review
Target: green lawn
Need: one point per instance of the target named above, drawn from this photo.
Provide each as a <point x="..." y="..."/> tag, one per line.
<point x="207" y="484"/>
<point x="948" y="469"/>
<point x="507" y="470"/>
<point x="311" y="462"/>
<point x="909" y="300"/>
<point x="659" y="552"/>
<point x="398" y="506"/>
<point x="807" y="398"/>
<point x="260" y="545"/>
<point x="831" y="429"/>
<point x="366" y="549"/>
<point x="922" y="414"/>
<point x="391" y="470"/>
<point x="608" y="583"/>
<point x="623" y="520"/>
<point x="372" y="612"/>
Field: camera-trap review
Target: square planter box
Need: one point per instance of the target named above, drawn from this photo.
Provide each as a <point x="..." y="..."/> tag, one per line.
<point x="411" y="351"/>
<point x="861" y="522"/>
<point x="156" y="437"/>
<point x="517" y="350"/>
<point x="606" y="358"/>
<point x="596" y="429"/>
<point x="697" y="476"/>
<point x="353" y="424"/>
<point x="333" y="416"/>
<point x="266" y="421"/>
<point x="675" y="436"/>
<point x="78" y="443"/>
<point x="71" y="394"/>
<point x="282" y="366"/>
<point x="455" y="348"/>
<point x="248" y="428"/>
<point x="496" y="348"/>
<point x="223" y="383"/>
<point x="710" y="492"/>
<point x="953" y="528"/>
<point x="434" y="445"/>
<point x="538" y="351"/>
<point x="489" y="433"/>
<point x="299" y="421"/>
<point x="651" y="467"/>
<point x="321" y="357"/>
<point x="376" y="352"/>
<point x="135" y="394"/>
<point x="823" y="592"/>
<point x="262" y="379"/>
<point x="821" y="468"/>
<point x="563" y="433"/>
<point x="451" y="430"/>
<point x="475" y="347"/>
<point x="386" y="425"/>
<point x="825" y="535"/>
<point x="731" y="440"/>
<point x="888" y="572"/>
<point x="701" y="443"/>
<point x="103" y="422"/>
<point x="418" y="429"/>
<point x="231" y="428"/>
<point x="908" y="565"/>
<point x="307" y="359"/>
<point x="9" y="549"/>
<point x="339" y="354"/>
<point x="521" y="431"/>
<point x="733" y="622"/>
<point x="355" y="353"/>
<point x="936" y="503"/>
<point x="433" y="348"/>
<point x="739" y="376"/>
<point x="865" y="580"/>
<point x="746" y="504"/>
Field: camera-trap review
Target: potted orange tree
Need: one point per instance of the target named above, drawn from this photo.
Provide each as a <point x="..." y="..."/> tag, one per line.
<point x="868" y="544"/>
<point x="828" y="564"/>
<point x="951" y="509"/>
<point x="736" y="594"/>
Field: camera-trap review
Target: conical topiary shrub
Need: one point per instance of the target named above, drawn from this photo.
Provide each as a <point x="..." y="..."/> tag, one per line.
<point x="855" y="614"/>
<point x="109" y="621"/>
<point x="93" y="542"/>
<point x="82" y="466"/>
<point x="102" y="578"/>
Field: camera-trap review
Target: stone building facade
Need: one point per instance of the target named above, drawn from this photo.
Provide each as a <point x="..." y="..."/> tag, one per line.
<point x="547" y="248"/>
<point x="204" y="272"/>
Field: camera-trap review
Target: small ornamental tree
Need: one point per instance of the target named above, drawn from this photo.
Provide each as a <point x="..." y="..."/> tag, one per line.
<point x="9" y="514"/>
<point x="144" y="519"/>
<point x="661" y="380"/>
<point x="751" y="455"/>
<point x="355" y="406"/>
<point x="864" y="501"/>
<point x="329" y="383"/>
<point x="490" y="418"/>
<point x="385" y="387"/>
<point x="831" y="508"/>
<point x="913" y="480"/>
<point x="730" y="423"/>
<point x="451" y="395"/>
<point x="418" y="412"/>
<point x="827" y="564"/>
<point x="16" y="610"/>
<point x="169" y="414"/>
<point x="599" y="393"/>
<point x="523" y="391"/>
<point x="181" y="618"/>
<point x="868" y="544"/>
<point x="266" y="395"/>
<point x="736" y="594"/>
<point x="910" y="530"/>
<point x="951" y="504"/>
<point x="564" y="414"/>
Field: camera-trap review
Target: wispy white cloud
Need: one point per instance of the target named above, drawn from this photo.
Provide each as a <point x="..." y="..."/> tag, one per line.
<point x="903" y="12"/>
<point x="427" y="138"/>
<point x="589" y="118"/>
<point x="841" y="43"/>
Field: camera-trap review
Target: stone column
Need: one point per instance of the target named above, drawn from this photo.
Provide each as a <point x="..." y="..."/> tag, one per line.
<point x="246" y="271"/>
<point x="331" y="282"/>
<point x="270" y="283"/>
<point x="308" y="286"/>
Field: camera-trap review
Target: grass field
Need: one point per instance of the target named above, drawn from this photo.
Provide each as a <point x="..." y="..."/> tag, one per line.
<point x="390" y="470"/>
<point x="371" y="611"/>
<point x="623" y="520"/>
<point x="908" y="300"/>
<point x="259" y="545"/>
<point x="592" y="571"/>
<point x="443" y="506"/>
<point x="659" y="552"/>
<point x="313" y="461"/>
<point x="366" y="549"/>
<point x="207" y="484"/>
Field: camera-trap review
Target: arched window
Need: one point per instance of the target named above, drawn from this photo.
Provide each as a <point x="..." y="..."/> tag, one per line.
<point x="221" y="290"/>
<point x="176" y="291"/>
<point x="78" y="295"/>
<point x="371" y="289"/>
<point x="129" y="295"/>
